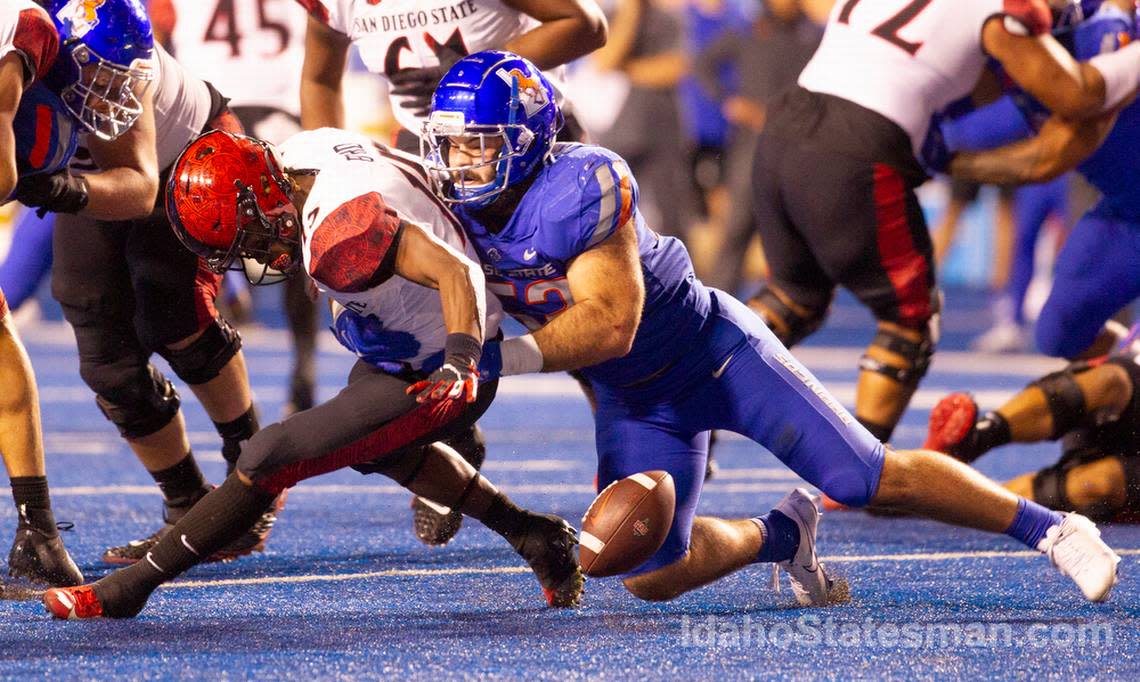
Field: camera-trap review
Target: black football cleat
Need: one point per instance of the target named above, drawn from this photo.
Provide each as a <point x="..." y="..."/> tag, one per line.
<point x="42" y="560"/>
<point x="253" y="540"/>
<point x="435" y="524"/>
<point x="548" y="544"/>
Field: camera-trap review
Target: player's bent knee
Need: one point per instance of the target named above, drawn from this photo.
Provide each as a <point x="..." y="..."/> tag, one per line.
<point x="1065" y="399"/>
<point x="790" y="323"/>
<point x="265" y="453"/>
<point x="139" y="401"/>
<point x="202" y="359"/>
<point x="915" y="356"/>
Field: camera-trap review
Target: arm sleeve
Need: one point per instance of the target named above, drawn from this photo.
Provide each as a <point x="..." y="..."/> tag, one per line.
<point x="353" y="248"/>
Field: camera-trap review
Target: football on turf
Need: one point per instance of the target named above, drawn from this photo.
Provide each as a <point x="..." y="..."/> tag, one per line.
<point x="627" y="523"/>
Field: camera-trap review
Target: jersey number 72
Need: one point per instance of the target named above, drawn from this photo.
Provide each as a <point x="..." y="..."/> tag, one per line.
<point x="889" y="29"/>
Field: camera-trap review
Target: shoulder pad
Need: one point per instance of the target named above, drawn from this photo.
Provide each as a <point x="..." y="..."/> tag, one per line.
<point x="353" y="248"/>
<point x="591" y="193"/>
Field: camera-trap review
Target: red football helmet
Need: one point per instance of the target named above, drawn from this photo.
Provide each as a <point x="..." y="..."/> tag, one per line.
<point x="229" y="201"/>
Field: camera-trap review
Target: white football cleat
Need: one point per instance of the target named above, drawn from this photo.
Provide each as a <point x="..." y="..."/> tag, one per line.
<point x="1075" y="548"/>
<point x="809" y="579"/>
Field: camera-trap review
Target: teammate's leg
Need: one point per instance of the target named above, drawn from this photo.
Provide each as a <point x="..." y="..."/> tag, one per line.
<point x="91" y="282"/>
<point x="1097" y="486"/>
<point x="301" y="313"/>
<point x="1095" y="276"/>
<point x="37" y="552"/>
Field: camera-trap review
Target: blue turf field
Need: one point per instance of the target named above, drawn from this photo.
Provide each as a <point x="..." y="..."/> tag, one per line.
<point x="346" y="591"/>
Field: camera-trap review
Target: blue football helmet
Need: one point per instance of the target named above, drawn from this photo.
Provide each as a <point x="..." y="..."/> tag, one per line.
<point x="503" y="101"/>
<point x="104" y="63"/>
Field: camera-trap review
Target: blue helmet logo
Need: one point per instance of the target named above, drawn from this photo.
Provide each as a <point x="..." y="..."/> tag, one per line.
<point x="500" y="104"/>
<point x="104" y="63"/>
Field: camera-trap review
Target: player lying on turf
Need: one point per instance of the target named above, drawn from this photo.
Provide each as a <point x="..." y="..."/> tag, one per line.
<point x="566" y="250"/>
<point x="1092" y="407"/>
<point x="363" y="223"/>
<point x="1095" y="271"/>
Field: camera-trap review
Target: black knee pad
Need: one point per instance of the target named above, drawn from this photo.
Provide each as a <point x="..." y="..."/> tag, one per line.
<point x="796" y="327"/>
<point x="1049" y="487"/>
<point x="916" y="354"/>
<point x="204" y="359"/>
<point x="137" y="403"/>
<point x="1065" y="399"/>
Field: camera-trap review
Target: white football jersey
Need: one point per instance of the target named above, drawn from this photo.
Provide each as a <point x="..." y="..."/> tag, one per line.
<point x="404" y="34"/>
<point x="250" y="50"/>
<point x="27" y="29"/>
<point x="905" y="59"/>
<point x="351" y="170"/>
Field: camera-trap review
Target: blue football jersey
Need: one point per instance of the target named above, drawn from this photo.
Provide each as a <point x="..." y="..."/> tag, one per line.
<point x="1114" y="167"/>
<point x="576" y="202"/>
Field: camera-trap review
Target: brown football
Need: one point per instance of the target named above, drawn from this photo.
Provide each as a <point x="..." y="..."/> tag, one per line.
<point x="627" y="523"/>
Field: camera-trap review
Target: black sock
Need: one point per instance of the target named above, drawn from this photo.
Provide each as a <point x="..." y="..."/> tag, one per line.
<point x="182" y="485"/>
<point x="33" y="503"/>
<point x="216" y="520"/>
<point x="992" y="430"/>
<point x="233" y="433"/>
<point x="505" y="518"/>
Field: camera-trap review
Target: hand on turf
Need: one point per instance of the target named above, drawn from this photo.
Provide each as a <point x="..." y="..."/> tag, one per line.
<point x="449" y="382"/>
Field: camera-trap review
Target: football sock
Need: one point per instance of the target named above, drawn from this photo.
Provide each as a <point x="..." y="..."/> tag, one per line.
<point x="1031" y="522"/>
<point x="992" y="431"/>
<point x="503" y="517"/>
<point x="781" y="537"/>
<point x="216" y="520"/>
<point x="182" y="485"/>
<point x="233" y="433"/>
<point x="33" y="503"/>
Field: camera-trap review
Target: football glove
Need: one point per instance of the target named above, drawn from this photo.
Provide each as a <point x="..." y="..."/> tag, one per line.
<point x="418" y="85"/>
<point x="458" y="377"/>
<point x="490" y="364"/>
<point x="58" y="192"/>
<point x="366" y="336"/>
<point x="450" y="382"/>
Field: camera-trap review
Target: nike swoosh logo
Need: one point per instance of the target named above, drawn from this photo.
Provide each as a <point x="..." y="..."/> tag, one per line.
<point x="529" y="254"/>
<point x="717" y="374"/>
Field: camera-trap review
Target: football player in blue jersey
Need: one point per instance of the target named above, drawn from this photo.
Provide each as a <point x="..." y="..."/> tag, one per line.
<point x="1096" y="273"/>
<point x="566" y="251"/>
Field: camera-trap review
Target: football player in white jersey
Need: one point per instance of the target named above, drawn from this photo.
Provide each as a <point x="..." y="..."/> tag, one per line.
<point x="126" y="285"/>
<point x="837" y="164"/>
<point x="252" y="50"/>
<point x="28" y="45"/>
<point x="412" y="43"/>
<point x="364" y="224"/>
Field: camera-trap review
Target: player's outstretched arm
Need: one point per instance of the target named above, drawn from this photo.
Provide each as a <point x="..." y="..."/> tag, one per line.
<point x="425" y="260"/>
<point x="128" y="187"/>
<point x="1060" y="146"/>
<point x="11" y="90"/>
<point x="569" y="29"/>
<point x="608" y="291"/>
<point x="322" y="75"/>
<point x="1044" y="69"/>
